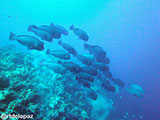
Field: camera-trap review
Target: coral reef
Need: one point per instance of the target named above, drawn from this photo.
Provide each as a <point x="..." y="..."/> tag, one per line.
<point x="27" y="87"/>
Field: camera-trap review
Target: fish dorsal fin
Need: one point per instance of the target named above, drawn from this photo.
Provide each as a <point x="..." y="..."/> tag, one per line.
<point x="52" y="24"/>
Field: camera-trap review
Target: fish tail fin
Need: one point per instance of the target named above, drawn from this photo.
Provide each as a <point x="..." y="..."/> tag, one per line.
<point x="34" y="26"/>
<point x="30" y="27"/>
<point x="11" y="36"/>
<point x="60" y="42"/>
<point x="72" y="27"/>
<point x="48" y="51"/>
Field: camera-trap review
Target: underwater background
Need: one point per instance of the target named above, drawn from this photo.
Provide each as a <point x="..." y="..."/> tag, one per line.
<point x="127" y="30"/>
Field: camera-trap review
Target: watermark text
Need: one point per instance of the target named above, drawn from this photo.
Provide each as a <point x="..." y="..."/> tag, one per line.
<point x="19" y="116"/>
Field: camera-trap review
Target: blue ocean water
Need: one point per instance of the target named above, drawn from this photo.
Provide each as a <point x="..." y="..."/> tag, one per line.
<point x="127" y="30"/>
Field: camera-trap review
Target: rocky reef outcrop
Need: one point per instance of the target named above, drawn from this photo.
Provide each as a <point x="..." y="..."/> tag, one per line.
<point x="29" y="88"/>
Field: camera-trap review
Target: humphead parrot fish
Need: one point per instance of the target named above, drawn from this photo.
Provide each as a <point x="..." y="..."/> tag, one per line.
<point x="85" y="76"/>
<point x="68" y="47"/>
<point x="86" y="59"/>
<point x="59" y="29"/>
<point x="40" y="33"/>
<point x="72" y="67"/>
<point x="90" y="70"/>
<point x="80" y="33"/>
<point x="97" y="51"/>
<point x="59" y="54"/>
<point x="135" y="90"/>
<point x="28" y="41"/>
<point x="55" y="34"/>
<point x="100" y="66"/>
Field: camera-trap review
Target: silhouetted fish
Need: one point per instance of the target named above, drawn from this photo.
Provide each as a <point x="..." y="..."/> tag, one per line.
<point x="86" y="59"/>
<point x="68" y="47"/>
<point x="103" y="60"/>
<point x="28" y="41"/>
<point x="59" y="54"/>
<point x="56" y="67"/>
<point x="85" y="76"/>
<point x="107" y="74"/>
<point x="92" y="94"/>
<point x="100" y="66"/>
<point x="97" y="51"/>
<point x="90" y="70"/>
<point x="80" y="33"/>
<point x="72" y="67"/>
<point x="51" y="30"/>
<point x="107" y="85"/>
<point x="41" y="33"/>
<point x="136" y="90"/>
<point x="84" y="83"/>
<point x="59" y="29"/>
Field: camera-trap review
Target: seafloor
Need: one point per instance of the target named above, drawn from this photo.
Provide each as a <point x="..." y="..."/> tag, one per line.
<point x="27" y="87"/>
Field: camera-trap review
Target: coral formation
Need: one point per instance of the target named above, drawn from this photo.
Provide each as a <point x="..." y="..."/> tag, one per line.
<point x="27" y="87"/>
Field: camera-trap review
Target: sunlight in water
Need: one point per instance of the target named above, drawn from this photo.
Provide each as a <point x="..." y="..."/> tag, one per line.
<point x="66" y="9"/>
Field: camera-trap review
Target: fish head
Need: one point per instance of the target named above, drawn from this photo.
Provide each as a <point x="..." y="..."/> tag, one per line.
<point x="106" y="68"/>
<point x="84" y="37"/>
<point x="39" y="46"/>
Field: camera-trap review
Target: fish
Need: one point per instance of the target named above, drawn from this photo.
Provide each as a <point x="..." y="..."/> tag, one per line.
<point x="107" y="74"/>
<point x="80" y="33"/>
<point x="99" y="75"/>
<point x="72" y="67"/>
<point x="84" y="83"/>
<point x="107" y="85"/>
<point x="40" y="33"/>
<point x="57" y="68"/>
<point x="90" y="70"/>
<point x="86" y="59"/>
<point x="97" y="51"/>
<point x="92" y="94"/>
<point x="29" y="41"/>
<point x="59" y="54"/>
<point x="100" y="66"/>
<point x="85" y="76"/>
<point x="68" y="47"/>
<point x="135" y="90"/>
<point x="119" y="82"/>
<point x="89" y="56"/>
<point x="55" y="34"/>
<point x="59" y="29"/>
<point x="103" y="60"/>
